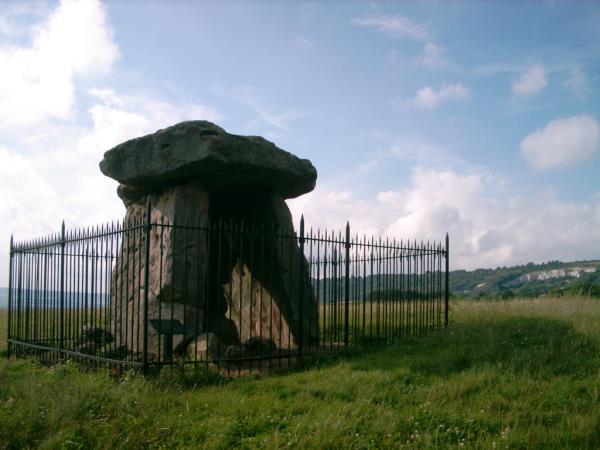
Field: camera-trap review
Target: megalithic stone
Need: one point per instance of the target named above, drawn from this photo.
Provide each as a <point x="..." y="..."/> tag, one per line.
<point x="203" y="152"/>
<point x="197" y="170"/>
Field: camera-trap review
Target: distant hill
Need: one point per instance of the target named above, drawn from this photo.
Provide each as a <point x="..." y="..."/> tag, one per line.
<point x="72" y="298"/>
<point x="529" y="280"/>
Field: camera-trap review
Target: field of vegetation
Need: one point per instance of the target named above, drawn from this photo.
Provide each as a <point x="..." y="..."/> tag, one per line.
<point x="506" y="374"/>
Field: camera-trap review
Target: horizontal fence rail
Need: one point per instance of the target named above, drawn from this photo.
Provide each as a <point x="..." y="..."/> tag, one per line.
<point x="234" y="296"/>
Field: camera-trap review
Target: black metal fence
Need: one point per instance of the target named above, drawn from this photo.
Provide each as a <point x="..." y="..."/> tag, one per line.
<point x="234" y="296"/>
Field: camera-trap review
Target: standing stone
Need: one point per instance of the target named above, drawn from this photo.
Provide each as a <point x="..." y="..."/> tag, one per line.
<point x="172" y="295"/>
<point x="264" y="297"/>
<point x="203" y="282"/>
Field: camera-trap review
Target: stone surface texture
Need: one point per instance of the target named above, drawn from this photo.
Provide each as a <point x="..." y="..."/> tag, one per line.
<point x="206" y="347"/>
<point x="210" y="290"/>
<point x="203" y="152"/>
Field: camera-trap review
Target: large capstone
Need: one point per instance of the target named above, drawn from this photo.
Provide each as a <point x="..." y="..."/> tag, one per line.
<point x="213" y="283"/>
<point x="203" y="152"/>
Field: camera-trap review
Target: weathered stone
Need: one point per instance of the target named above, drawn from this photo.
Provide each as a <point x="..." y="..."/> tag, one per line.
<point x="174" y="294"/>
<point x="130" y="194"/>
<point x="272" y="296"/>
<point x="87" y="348"/>
<point x="119" y="352"/>
<point x="204" y="286"/>
<point x="254" y="310"/>
<point x="235" y="352"/>
<point x="203" y="152"/>
<point x="205" y="347"/>
<point x="260" y="346"/>
<point x="97" y="335"/>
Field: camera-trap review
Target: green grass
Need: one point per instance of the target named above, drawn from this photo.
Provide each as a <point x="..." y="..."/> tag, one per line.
<point x="512" y="374"/>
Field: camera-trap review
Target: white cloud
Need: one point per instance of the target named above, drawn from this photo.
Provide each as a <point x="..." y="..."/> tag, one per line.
<point x="428" y="98"/>
<point x="562" y="143"/>
<point x="278" y="121"/>
<point x="577" y="83"/>
<point x="49" y="167"/>
<point x="37" y="82"/>
<point x="395" y="25"/>
<point x="422" y="153"/>
<point x="487" y="227"/>
<point x="14" y="17"/>
<point x="61" y="180"/>
<point x="27" y="198"/>
<point x="120" y="117"/>
<point x="9" y="28"/>
<point x="532" y="80"/>
<point x="433" y="56"/>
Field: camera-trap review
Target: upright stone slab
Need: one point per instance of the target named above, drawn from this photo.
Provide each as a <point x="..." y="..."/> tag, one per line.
<point x="270" y="295"/>
<point x="172" y="295"/>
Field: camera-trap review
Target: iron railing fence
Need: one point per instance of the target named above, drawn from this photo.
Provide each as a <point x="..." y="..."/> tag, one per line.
<point x="231" y="295"/>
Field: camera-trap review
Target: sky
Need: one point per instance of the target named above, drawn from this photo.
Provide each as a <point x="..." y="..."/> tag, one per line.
<point x="480" y="120"/>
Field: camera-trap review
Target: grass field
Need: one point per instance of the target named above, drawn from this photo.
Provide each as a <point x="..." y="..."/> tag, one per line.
<point x="511" y="374"/>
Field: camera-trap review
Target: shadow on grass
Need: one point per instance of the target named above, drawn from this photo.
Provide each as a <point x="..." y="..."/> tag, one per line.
<point x="536" y="346"/>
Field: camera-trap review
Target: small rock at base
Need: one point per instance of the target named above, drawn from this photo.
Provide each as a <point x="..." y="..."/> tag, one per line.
<point x="204" y="348"/>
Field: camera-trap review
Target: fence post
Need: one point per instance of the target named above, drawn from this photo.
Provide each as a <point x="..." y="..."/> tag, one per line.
<point x="447" y="291"/>
<point x="62" y="286"/>
<point x="147" y="229"/>
<point x="301" y="287"/>
<point x="10" y="288"/>
<point x="347" y="287"/>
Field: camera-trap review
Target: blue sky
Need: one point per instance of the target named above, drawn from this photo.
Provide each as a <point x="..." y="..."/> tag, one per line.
<point x="480" y="119"/>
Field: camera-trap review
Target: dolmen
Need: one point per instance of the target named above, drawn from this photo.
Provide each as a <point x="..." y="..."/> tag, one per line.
<point x="212" y="294"/>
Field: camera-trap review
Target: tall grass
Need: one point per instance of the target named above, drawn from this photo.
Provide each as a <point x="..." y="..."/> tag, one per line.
<point x="506" y="374"/>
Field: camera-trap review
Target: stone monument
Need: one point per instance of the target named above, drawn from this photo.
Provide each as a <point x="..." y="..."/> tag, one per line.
<point x="196" y="173"/>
